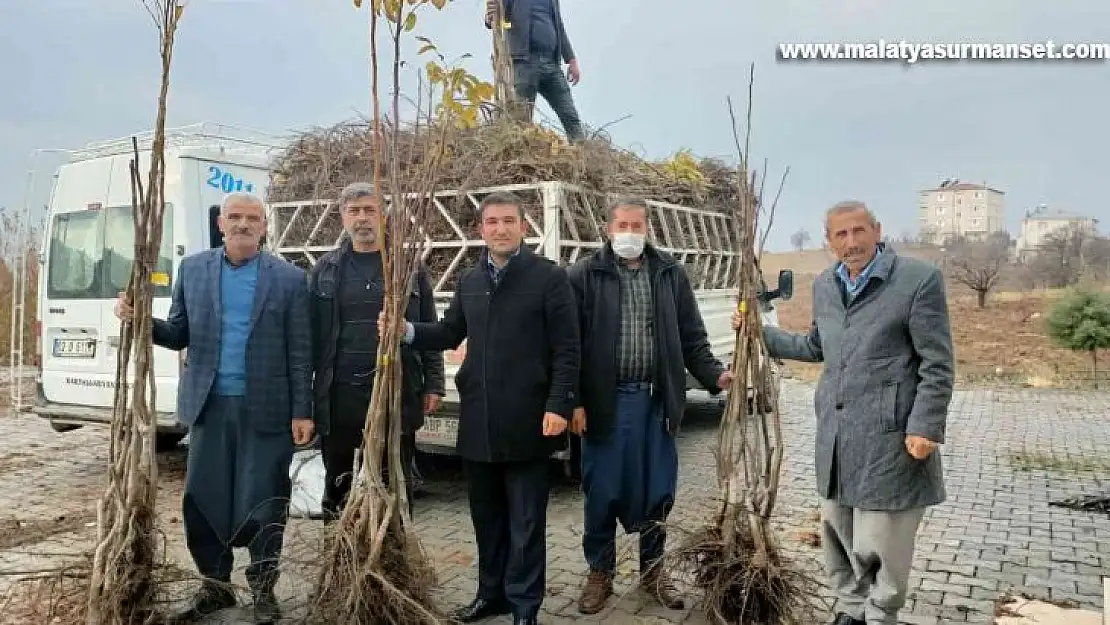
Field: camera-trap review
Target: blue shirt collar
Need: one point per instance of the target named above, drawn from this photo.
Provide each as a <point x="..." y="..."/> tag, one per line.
<point x="494" y="269"/>
<point x="854" y="286"/>
<point x="253" y="260"/>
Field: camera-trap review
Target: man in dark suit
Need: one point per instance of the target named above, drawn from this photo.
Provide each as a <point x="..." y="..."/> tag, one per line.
<point x="537" y="41"/>
<point x="347" y="290"/>
<point x="246" y="395"/>
<point x="517" y="389"/>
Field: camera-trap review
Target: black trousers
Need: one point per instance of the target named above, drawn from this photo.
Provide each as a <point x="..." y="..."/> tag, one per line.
<point x="508" y="507"/>
<point x="237" y="491"/>
<point x="214" y="558"/>
<point x="348" y="417"/>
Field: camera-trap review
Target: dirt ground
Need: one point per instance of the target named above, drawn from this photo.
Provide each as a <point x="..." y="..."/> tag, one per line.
<point x="1002" y="343"/>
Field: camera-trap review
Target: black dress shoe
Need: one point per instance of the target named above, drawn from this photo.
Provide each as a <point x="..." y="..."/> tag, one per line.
<point x="479" y="609"/>
<point x="211" y="599"/>
<point x="844" y="619"/>
<point x="266" y="609"/>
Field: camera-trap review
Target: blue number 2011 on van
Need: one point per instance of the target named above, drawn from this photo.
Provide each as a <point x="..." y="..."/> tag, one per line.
<point x="226" y="181"/>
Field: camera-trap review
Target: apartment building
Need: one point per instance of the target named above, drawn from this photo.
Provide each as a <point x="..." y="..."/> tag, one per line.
<point x="1042" y="222"/>
<point x="957" y="209"/>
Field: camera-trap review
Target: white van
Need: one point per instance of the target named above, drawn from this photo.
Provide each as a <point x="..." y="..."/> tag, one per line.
<point x="88" y="250"/>
<point x="87" y="257"/>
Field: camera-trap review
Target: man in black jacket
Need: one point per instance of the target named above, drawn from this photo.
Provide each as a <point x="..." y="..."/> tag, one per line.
<point x="537" y="41"/>
<point x="517" y="389"/>
<point x="641" y="331"/>
<point x="347" y="288"/>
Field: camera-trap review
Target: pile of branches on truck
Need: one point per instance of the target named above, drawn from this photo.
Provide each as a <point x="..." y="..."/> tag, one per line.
<point x="322" y="161"/>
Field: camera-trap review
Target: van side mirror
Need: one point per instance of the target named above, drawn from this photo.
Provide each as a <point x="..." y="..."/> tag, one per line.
<point x="215" y="237"/>
<point x="785" y="288"/>
<point x="786" y="284"/>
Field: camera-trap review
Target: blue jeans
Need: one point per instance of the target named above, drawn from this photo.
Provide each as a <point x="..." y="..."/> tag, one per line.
<point x="630" y="477"/>
<point x="547" y="79"/>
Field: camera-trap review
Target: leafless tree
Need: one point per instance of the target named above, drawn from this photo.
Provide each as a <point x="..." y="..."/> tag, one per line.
<point x="1096" y="258"/>
<point x="978" y="266"/>
<point x="1059" y="260"/>
<point x="1000" y="238"/>
<point x="800" y="239"/>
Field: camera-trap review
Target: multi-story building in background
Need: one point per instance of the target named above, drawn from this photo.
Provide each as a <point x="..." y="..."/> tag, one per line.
<point x="957" y="209"/>
<point x="1043" y="222"/>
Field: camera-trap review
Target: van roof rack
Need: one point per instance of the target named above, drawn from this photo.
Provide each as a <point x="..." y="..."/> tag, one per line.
<point x="213" y="136"/>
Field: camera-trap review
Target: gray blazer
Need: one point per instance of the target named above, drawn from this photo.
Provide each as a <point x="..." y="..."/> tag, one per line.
<point x="279" y="348"/>
<point x="888" y="372"/>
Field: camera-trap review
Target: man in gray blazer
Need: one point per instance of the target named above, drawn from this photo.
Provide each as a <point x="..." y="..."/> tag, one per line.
<point x="246" y="395"/>
<point x="880" y="325"/>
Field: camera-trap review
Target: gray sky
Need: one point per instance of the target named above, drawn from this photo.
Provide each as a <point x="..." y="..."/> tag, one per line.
<point x="80" y="70"/>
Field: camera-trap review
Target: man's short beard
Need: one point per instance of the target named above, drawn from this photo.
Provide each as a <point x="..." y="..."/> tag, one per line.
<point x="370" y="238"/>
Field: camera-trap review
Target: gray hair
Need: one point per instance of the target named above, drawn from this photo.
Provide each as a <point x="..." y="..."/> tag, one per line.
<point x="242" y="197"/>
<point x="849" y="206"/>
<point x="354" y="191"/>
<point x="626" y="201"/>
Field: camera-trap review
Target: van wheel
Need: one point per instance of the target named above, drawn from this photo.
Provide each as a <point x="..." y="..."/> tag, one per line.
<point x="63" y="427"/>
<point x="167" y="441"/>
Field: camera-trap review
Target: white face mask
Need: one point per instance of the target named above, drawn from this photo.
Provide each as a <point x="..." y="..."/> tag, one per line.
<point x="628" y="245"/>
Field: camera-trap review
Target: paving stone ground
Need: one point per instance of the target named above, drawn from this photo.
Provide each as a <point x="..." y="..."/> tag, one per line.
<point x="1009" y="453"/>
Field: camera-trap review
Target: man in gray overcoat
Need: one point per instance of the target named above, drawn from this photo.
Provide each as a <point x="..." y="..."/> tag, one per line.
<point x="880" y="326"/>
<point x="246" y="395"/>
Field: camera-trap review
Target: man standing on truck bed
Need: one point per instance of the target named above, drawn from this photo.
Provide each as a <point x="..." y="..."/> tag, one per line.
<point x="348" y="290"/>
<point x="880" y="325"/>
<point x="246" y="395"/>
<point x="537" y="41"/>
<point x="516" y="391"/>
<point x="641" y="331"/>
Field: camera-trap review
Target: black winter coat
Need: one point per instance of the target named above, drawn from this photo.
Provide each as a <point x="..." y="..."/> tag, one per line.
<point x="422" y="372"/>
<point x="680" y="337"/>
<point x="522" y="356"/>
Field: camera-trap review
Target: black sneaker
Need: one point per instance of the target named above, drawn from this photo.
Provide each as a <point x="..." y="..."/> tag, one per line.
<point x="845" y="619"/>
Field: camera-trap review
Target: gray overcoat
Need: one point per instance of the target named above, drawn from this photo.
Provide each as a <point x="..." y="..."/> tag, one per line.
<point x="888" y="373"/>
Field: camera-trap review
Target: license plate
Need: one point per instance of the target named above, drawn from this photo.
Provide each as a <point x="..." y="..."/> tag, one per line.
<point x="74" y="348"/>
<point x="439" y="431"/>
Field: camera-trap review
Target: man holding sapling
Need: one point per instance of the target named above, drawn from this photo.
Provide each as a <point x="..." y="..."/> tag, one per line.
<point x="347" y="287"/>
<point x="537" y="42"/>
<point x="517" y="389"/>
<point x="246" y="395"/>
<point x="880" y="326"/>
<point x="641" y="331"/>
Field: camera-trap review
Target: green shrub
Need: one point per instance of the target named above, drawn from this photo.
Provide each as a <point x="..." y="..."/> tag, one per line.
<point x="1081" y="322"/>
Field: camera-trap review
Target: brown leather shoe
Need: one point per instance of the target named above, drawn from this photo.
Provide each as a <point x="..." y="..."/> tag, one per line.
<point x="598" y="588"/>
<point x="659" y="584"/>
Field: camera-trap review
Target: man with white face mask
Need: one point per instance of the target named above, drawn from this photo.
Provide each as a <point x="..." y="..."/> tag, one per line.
<point x="641" y="330"/>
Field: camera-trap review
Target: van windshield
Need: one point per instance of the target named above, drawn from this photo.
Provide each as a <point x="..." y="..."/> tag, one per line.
<point x="91" y="253"/>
